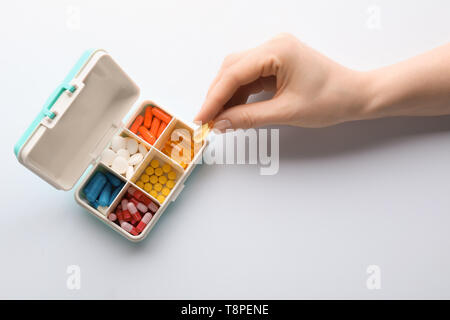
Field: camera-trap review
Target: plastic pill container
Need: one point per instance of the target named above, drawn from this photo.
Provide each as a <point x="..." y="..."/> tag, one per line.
<point x="78" y="123"/>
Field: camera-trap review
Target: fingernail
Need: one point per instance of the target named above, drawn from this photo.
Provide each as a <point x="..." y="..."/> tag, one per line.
<point x="222" y="125"/>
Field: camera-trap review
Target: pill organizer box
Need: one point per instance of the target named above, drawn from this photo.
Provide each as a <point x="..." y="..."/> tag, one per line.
<point x="77" y="123"/>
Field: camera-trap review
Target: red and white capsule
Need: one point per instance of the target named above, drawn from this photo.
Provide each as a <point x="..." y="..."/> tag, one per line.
<point x="128" y="227"/>
<point x="144" y="222"/>
<point x="134" y="212"/>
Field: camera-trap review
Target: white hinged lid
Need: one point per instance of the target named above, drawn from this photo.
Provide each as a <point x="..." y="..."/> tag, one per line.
<point x="62" y="148"/>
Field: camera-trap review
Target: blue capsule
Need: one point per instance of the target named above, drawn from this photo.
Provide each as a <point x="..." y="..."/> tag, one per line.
<point x="115" y="193"/>
<point x="95" y="187"/>
<point x="113" y="179"/>
<point x="105" y="195"/>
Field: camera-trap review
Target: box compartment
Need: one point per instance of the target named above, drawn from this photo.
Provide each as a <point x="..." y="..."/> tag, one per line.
<point x="182" y="135"/>
<point x="155" y="154"/>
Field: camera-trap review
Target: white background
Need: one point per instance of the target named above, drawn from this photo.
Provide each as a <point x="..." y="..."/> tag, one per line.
<point x="345" y="197"/>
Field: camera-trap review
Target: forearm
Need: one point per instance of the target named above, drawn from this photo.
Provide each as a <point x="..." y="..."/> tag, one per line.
<point x="419" y="86"/>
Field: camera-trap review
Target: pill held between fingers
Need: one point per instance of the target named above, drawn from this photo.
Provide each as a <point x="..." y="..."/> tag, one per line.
<point x="123" y="153"/>
<point x="153" y="179"/>
<point x="158" y="172"/>
<point x="132" y="146"/>
<point x="108" y="156"/>
<point x="117" y="143"/>
<point x="130" y="172"/>
<point x="120" y="165"/>
<point x="135" y="159"/>
<point x="154" y="163"/>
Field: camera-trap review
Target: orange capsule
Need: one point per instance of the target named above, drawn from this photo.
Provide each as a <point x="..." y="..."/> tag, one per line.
<point x="136" y="124"/>
<point x="147" y="135"/>
<point x="148" y="117"/>
<point x="155" y="126"/>
<point x="162" y="126"/>
<point x="161" y="115"/>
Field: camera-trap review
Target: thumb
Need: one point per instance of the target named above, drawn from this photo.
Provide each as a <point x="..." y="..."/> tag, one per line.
<point x="250" y="115"/>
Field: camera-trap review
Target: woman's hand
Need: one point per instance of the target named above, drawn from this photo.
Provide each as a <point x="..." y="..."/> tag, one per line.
<point x="309" y="89"/>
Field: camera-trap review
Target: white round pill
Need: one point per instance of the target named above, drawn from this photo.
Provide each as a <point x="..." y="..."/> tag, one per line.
<point x="120" y="165"/>
<point x="117" y="143"/>
<point x="130" y="171"/>
<point x="132" y="145"/>
<point x="123" y="153"/>
<point x="135" y="159"/>
<point x="108" y="156"/>
<point x="142" y="148"/>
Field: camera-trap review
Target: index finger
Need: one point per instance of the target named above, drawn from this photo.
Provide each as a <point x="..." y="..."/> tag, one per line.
<point x="242" y="72"/>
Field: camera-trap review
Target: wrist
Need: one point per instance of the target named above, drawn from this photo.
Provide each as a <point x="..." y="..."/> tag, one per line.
<point x="371" y="98"/>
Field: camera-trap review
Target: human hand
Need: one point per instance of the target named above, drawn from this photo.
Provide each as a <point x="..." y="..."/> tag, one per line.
<point x="309" y="89"/>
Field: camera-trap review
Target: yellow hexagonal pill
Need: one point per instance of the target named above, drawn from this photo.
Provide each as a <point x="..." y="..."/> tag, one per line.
<point x="161" y="198"/>
<point x="153" y="179"/>
<point x="153" y="193"/>
<point x="140" y="184"/>
<point x="166" y="168"/>
<point x="144" y="178"/>
<point x="157" y="187"/>
<point x="172" y="175"/>
<point x="147" y="187"/>
<point x="158" y="171"/>
<point x="154" y="163"/>
<point x="162" y="179"/>
<point x="165" y="191"/>
<point x="170" y="184"/>
<point x="149" y="171"/>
